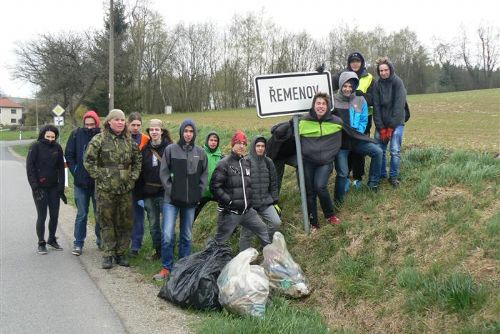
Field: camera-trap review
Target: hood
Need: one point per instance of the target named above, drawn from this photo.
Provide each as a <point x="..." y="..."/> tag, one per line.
<point x="49" y="127"/>
<point x="206" y="141"/>
<point x="344" y="77"/>
<point x="253" y="154"/>
<point x="391" y="68"/>
<point x="92" y="114"/>
<point x="185" y="123"/>
<point x="357" y="54"/>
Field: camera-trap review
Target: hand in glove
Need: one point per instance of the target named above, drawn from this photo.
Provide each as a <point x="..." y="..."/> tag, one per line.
<point x="320" y="68"/>
<point x="278" y="209"/>
<point x="140" y="203"/>
<point x="38" y="194"/>
<point x="389" y="133"/>
<point x="384" y="136"/>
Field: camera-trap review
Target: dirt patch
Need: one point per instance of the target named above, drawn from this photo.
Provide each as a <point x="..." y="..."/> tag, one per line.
<point x="483" y="269"/>
<point x="439" y="195"/>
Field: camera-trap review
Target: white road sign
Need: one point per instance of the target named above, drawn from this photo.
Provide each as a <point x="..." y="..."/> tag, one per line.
<point x="58" y="110"/>
<point x="59" y="120"/>
<point x="289" y="93"/>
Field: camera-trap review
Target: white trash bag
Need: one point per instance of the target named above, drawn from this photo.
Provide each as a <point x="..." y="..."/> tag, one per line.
<point x="285" y="275"/>
<point x="244" y="288"/>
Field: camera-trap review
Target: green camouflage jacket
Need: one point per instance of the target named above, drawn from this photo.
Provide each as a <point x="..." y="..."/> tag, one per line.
<point x="113" y="161"/>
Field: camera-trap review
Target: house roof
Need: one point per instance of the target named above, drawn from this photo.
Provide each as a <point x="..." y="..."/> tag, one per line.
<point x="7" y="103"/>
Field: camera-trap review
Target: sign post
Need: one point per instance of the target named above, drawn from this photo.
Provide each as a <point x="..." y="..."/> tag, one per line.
<point x="291" y="94"/>
<point x="57" y="111"/>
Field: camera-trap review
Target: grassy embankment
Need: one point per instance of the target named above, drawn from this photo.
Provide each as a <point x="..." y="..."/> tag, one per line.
<point x="422" y="258"/>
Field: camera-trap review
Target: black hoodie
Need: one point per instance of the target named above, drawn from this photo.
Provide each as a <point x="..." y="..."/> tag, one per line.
<point x="45" y="162"/>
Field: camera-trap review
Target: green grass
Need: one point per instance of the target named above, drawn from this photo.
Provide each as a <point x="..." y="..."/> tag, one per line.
<point x="14" y="135"/>
<point x="421" y="258"/>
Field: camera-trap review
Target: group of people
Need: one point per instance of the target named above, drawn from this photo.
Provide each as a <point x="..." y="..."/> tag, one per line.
<point x="129" y="175"/>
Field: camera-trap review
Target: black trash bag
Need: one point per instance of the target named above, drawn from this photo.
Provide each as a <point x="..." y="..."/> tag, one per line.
<point x="193" y="282"/>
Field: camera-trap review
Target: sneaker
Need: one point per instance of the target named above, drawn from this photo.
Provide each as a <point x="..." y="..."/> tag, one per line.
<point x="162" y="275"/>
<point x="357" y="184"/>
<point x="55" y="245"/>
<point x="394" y="182"/>
<point x="313" y="229"/>
<point x="77" y="250"/>
<point x="333" y="220"/>
<point x="42" y="249"/>
<point x="107" y="262"/>
<point x="122" y="260"/>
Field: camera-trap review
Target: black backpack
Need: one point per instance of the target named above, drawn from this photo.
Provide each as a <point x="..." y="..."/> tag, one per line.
<point x="407" y="111"/>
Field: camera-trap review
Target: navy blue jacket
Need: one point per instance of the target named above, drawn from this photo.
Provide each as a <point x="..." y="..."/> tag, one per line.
<point x="75" y="149"/>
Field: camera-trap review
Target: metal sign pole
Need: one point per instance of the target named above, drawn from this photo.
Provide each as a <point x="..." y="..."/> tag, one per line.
<point x="300" y="167"/>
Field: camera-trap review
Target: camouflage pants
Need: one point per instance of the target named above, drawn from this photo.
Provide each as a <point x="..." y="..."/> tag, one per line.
<point x="115" y="216"/>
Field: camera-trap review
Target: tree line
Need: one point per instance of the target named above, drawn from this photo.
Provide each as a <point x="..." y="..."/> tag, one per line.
<point x="195" y="67"/>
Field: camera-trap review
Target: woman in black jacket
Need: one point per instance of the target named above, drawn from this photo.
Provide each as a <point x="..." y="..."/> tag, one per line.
<point x="45" y="170"/>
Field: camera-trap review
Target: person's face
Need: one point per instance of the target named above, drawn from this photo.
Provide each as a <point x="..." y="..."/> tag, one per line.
<point x="355" y="65"/>
<point x="240" y="148"/>
<point x="188" y="134"/>
<point x="135" y="126"/>
<point x="347" y="89"/>
<point x="50" y="136"/>
<point x="320" y="107"/>
<point x="117" y="125"/>
<point x="213" y="142"/>
<point x="155" y="133"/>
<point x="260" y="148"/>
<point x="89" y="123"/>
<point x="384" y="71"/>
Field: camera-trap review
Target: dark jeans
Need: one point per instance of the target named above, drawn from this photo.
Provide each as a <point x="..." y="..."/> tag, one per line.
<point x="154" y="210"/>
<point x="51" y="200"/>
<point x="357" y="160"/>
<point x="316" y="177"/>
<point x="82" y="201"/>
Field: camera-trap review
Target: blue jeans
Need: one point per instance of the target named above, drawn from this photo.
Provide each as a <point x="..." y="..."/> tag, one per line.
<point x="168" y="233"/>
<point x="395" y="150"/>
<point x="342" y="167"/>
<point x="316" y="179"/>
<point x="82" y="201"/>
<point x="138" y="227"/>
<point x="154" y="208"/>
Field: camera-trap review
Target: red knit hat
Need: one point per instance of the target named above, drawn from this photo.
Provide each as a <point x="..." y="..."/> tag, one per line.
<point x="92" y="114"/>
<point x="239" y="136"/>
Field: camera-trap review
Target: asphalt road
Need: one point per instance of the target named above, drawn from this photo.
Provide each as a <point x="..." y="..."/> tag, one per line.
<point x="42" y="293"/>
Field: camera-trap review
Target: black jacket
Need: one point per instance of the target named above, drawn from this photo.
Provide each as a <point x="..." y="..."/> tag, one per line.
<point x="74" y="152"/>
<point x="45" y="165"/>
<point x="149" y="182"/>
<point x="263" y="178"/>
<point x="281" y="145"/>
<point x="230" y="183"/>
<point x="389" y="99"/>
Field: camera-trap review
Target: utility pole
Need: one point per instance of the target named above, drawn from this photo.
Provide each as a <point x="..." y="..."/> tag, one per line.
<point x="111" y="56"/>
<point x="36" y="111"/>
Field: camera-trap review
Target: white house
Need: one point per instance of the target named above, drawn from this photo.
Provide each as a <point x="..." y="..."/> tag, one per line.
<point x="11" y="112"/>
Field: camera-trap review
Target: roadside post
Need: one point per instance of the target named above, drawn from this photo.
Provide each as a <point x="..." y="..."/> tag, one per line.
<point x="291" y="94"/>
<point x="58" y="112"/>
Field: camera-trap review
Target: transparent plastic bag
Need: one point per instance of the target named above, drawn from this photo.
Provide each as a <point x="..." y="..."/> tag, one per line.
<point x="244" y="288"/>
<point x="285" y="275"/>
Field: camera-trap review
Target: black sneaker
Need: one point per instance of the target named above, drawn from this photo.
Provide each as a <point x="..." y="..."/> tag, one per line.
<point x="122" y="260"/>
<point x="42" y="249"/>
<point x="54" y="244"/>
<point x="107" y="262"/>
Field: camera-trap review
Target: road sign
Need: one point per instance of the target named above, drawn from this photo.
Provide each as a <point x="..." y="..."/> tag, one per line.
<point x="58" y="110"/>
<point x="289" y="93"/>
<point x="59" y="120"/>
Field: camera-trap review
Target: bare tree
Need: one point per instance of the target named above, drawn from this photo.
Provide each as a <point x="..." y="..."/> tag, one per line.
<point x="489" y="38"/>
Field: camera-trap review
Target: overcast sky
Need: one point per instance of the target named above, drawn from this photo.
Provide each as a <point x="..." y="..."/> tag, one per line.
<point x="23" y="20"/>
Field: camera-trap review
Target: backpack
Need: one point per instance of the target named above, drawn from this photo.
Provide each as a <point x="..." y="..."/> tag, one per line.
<point x="407" y="111"/>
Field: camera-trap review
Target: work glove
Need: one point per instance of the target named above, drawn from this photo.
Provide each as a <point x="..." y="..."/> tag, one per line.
<point x="278" y="209"/>
<point x="384" y="136"/>
<point x="63" y="198"/>
<point x="140" y="203"/>
<point x="389" y="132"/>
<point x="320" y="68"/>
<point x="38" y="194"/>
